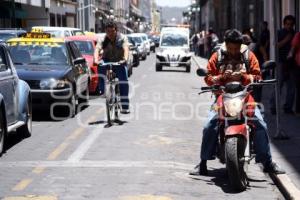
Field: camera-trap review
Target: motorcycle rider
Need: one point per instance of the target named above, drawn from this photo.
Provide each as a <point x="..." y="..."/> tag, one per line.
<point x="234" y="62"/>
<point x="114" y="48"/>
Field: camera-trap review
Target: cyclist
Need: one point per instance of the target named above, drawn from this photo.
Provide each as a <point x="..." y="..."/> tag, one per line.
<point x="114" y="48"/>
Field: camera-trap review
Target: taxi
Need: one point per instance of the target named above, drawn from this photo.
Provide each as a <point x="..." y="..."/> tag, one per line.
<point x="54" y="69"/>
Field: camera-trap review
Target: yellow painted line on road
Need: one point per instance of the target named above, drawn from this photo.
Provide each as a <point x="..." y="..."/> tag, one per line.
<point x="76" y="134"/>
<point x="22" y="185"/>
<point x="31" y="197"/>
<point x="54" y="154"/>
<point x="100" y="111"/>
<point x="145" y="197"/>
<point x="38" y="170"/>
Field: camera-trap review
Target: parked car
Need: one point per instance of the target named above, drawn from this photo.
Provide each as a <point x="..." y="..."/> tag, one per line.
<point x="6" y="34"/>
<point x="152" y="43"/>
<point x="174" y="49"/>
<point x="15" y="100"/>
<point x="146" y="41"/>
<point x="53" y="68"/>
<point x="141" y="46"/>
<point x="59" y="32"/>
<point x="134" y="51"/>
<point x="87" y="45"/>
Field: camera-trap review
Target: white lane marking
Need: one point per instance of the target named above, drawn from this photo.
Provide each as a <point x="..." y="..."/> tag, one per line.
<point x="86" y="144"/>
<point x="99" y="164"/>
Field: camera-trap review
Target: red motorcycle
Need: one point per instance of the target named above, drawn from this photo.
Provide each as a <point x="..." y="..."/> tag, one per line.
<point x="235" y="107"/>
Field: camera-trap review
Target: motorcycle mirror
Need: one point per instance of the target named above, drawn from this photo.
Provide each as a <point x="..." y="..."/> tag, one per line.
<point x="201" y="72"/>
<point x="268" y="65"/>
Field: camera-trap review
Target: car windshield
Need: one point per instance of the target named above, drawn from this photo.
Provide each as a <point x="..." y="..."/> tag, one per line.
<point x="55" y="33"/>
<point x="174" y="39"/>
<point x="85" y="47"/>
<point x="77" y="32"/>
<point x="136" y="40"/>
<point x="6" y="36"/>
<point x="38" y="53"/>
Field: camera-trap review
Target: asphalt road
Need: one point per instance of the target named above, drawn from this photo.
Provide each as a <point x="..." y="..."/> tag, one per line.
<point x="146" y="158"/>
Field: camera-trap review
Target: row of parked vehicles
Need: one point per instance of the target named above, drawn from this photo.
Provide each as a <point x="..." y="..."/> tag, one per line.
<point x="50" y="67"/>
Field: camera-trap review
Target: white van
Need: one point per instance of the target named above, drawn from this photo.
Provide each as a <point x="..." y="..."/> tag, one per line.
<point x="59" y="32"/>
<point x="174" y="49"/>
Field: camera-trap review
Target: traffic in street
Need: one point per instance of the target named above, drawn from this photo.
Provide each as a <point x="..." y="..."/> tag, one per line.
<point x="149" y="100"/>
<point x="148" y="157"/>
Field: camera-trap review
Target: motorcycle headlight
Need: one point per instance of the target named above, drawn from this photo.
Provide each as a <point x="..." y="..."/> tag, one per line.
<point x="233" y="106"/>
<point x="52" y="83"/>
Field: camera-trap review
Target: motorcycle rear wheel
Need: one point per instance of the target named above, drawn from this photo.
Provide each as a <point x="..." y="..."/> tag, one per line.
<point x="234" y="152"/>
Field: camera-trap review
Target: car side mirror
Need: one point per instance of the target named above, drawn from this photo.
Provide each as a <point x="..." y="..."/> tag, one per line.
<point x="201" y="72"/>
<point x="79" y="61"/>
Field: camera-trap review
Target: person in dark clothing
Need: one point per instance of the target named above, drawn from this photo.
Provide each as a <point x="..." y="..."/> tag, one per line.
<point x="285" y="36"/>
<point x="264" y="43"/>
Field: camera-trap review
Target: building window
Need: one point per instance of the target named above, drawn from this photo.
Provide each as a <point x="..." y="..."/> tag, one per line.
<point x="64" y="20"/>
<point x="58" y="20"/>
<point x="52" y="19"/>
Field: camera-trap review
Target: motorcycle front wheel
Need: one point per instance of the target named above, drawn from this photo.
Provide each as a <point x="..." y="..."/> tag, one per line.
<point x="234" y="153"/>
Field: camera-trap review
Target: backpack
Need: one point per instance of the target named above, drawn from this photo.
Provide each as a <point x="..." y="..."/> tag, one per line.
<point x="221" y="55"/>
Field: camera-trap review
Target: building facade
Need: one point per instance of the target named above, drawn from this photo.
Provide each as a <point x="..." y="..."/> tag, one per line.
<point x="62" y="13"/>
<point x="23" y="13"/>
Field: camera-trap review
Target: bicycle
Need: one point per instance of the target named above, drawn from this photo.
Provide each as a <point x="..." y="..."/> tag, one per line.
<point x="112" y="94"/>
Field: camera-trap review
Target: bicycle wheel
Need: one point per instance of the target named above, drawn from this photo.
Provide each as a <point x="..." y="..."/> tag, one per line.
<point x="117" y="102"/>
<point x="110" y="103"/>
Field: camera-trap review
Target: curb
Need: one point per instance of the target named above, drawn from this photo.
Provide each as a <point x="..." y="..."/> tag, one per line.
<point x="286" y="186"/>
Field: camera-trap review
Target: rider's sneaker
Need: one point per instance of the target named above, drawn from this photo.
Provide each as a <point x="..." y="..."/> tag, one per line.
<point x="125" y="111"/>
<point x="200" y="169"/>
<point x="273" y="168"/>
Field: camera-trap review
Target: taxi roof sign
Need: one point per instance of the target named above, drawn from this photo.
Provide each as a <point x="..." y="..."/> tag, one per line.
<point x="36" y="35"/>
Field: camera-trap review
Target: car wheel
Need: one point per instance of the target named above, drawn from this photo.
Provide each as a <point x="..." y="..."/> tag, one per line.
<point x="26" y="129"/>
<point x="188" y="68"/>
<point x="130" y="72"/>
<point x="158" y="67"/>
<point x="2" y="132"/>
<point x="72" y="106"/>
<point x="144" y="57"/>
<point x="137" y="63"/>
<point x="84" y="99"/>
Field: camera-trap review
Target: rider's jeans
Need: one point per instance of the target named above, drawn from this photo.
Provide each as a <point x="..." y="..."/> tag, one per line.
<point x="122" y="74"/>
<point x="261" y="138"/>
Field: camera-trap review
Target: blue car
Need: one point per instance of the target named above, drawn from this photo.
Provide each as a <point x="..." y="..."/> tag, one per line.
<point x="15" y="100"/>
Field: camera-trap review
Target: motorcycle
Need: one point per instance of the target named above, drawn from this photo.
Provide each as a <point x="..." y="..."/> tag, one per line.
<point x="235" y="107"/>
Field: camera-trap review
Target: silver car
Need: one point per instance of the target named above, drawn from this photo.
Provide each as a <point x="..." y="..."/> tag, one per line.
<point x="15" y="100"/>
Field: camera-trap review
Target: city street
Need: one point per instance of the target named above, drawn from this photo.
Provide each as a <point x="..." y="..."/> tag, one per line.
<point x="146" y="158"/>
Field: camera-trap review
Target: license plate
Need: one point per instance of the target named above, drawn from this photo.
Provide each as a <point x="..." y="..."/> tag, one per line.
<point x="174" y="65"/>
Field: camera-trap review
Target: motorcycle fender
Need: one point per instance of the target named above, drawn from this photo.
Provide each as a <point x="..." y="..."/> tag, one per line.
<point x="236" y="130"/>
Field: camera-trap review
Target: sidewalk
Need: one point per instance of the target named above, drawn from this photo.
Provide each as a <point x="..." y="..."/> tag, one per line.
<point x="285" y="152"/>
